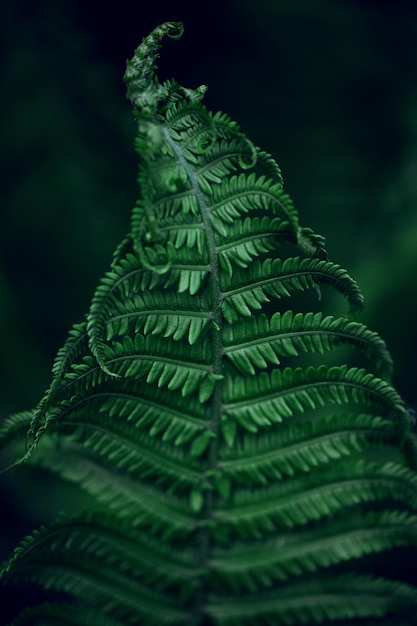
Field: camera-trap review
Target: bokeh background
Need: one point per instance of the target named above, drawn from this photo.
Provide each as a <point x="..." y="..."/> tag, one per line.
<point x="329" y="87"/>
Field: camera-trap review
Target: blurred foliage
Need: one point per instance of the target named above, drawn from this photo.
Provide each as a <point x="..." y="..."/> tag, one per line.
<point x="329" y="87"/>
<point x="68" y="183"/>
<point x="338" y="83"/>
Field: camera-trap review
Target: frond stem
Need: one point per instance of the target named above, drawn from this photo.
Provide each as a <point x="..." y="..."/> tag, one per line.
<point x="217" y="335"/>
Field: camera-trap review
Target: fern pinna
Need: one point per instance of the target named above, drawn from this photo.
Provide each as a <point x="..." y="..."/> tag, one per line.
<point x="233" y="479"/>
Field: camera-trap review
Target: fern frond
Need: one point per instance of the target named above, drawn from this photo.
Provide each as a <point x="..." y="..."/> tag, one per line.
<point x="250" y="566"/>
<point x="73" y="349"/>
<point x="302" y="447"/>
<point x="317" y="496"/>
<point x="126" y="277"/>
<point x="239" y="195"/>
<point x="249" y="239"/>
<point x="229" y="481"/>
<point x="106" y="569"/>
<point x="272" y="398"/>
<point x="254" y="343"/>
<point x="14" y="426"/>
<point x="137" y="436"/>
<point x="312" y="243"/>
<point x="252" y="287"/>
<point x="328" y="600"/>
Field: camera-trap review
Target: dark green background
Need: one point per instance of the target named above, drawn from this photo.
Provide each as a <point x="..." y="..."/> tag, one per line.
<point x="329" y="87"/>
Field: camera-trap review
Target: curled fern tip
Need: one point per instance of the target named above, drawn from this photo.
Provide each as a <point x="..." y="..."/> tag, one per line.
<point x="139" y="76"/>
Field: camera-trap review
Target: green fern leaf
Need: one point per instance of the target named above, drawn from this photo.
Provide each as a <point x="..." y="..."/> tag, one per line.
<point x="256" y="285"/>
<point x="290" y="335"/>
<point x="229" y="480"/>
